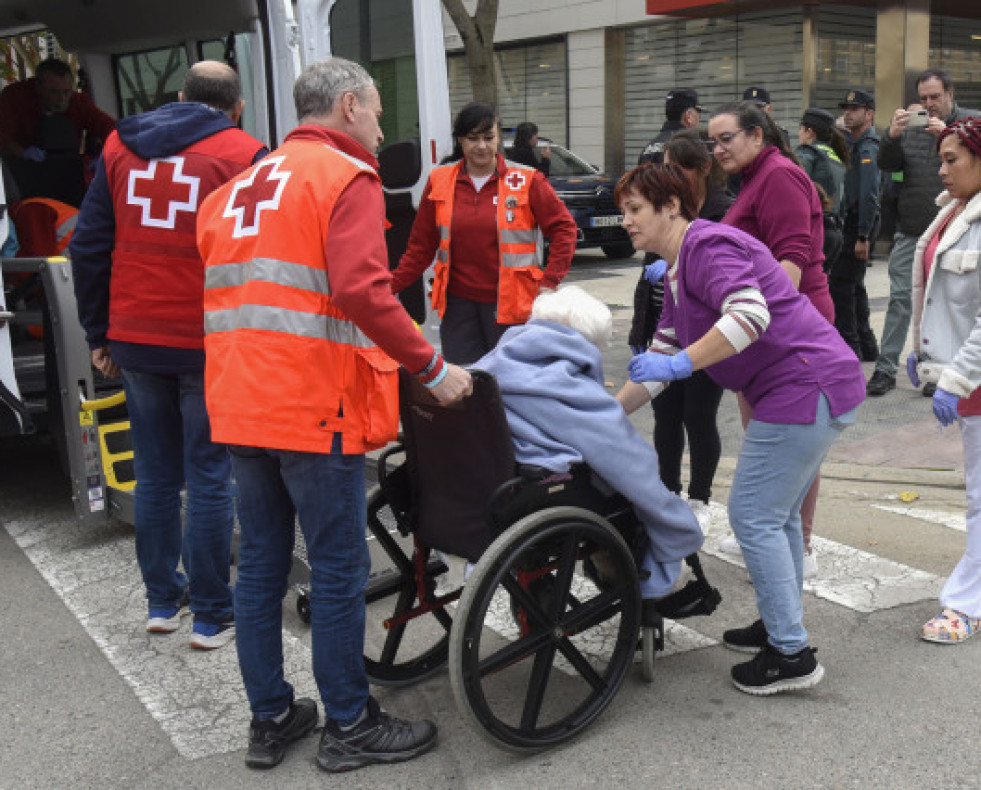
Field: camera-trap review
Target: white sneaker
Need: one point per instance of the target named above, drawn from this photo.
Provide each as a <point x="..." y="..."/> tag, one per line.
<point x="729" y="545"/>
<point x="810" y="564"/>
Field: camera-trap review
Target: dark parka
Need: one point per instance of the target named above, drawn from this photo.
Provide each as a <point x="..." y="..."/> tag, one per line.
<point x="914" y="153"/>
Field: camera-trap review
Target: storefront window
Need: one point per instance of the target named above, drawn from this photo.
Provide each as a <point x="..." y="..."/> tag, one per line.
<point x="532" y="86"/>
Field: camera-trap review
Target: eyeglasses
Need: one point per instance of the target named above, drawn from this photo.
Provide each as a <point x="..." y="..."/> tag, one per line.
<point x="724" y="140"/>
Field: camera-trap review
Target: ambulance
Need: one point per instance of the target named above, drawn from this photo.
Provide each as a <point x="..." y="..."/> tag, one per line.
<point x="131" y="57"/>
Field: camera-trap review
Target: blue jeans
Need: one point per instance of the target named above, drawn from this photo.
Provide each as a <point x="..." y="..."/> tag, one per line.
<point x="776" y="465"/>
<point x="900" y="308"/>
<point x="327" y="492"/>
<point x="172" y="446"/>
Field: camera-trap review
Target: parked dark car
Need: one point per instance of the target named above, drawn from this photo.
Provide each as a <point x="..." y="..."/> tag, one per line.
<point x="588" y="194"/>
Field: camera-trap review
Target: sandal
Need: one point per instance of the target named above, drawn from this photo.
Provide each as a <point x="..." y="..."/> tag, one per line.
<point x="950" y="627"/>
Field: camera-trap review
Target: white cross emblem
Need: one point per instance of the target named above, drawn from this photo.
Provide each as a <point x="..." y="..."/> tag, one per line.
<point x="252" y="195"/>
<point x="168" y="186"/>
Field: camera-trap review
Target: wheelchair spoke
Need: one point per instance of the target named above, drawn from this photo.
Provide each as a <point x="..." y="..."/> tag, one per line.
<point x="394" y="637"/>
<point x="537" y="684"/>
<point x="565" y="572"/>
<point x="513" y="653"/>
<point x="582" y="666"/>
<point x="592" y="613"/>
<point x="527" y="601"/>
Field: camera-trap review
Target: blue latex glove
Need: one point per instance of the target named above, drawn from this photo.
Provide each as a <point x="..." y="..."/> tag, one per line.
<point x="652" y="366"/>
<point x="653" y="272"/>
<point x="911" y="361"/>
<point x="945" y="407"/>
<point x="34" y="154"/>
<point x="638" y="350"/>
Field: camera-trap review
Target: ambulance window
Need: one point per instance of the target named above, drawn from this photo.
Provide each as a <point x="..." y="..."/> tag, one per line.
<point x="147" y="80"/>
<point x="378" y="34"/>
<point x="239" y="56"/>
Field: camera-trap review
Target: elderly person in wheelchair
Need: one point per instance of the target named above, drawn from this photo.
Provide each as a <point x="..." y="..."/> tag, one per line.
<point x="550" y="375"/>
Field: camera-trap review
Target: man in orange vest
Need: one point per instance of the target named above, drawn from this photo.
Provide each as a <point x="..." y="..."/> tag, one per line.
<point x="139" y="282"/>
<point x="44" y="226"/>
<point x="303" y="342"/>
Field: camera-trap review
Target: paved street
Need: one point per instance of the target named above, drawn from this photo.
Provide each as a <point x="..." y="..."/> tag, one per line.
<point x="90" y="700"/>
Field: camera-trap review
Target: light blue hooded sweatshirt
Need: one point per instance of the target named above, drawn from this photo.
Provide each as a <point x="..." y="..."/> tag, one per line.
<point x="559" y="413"/>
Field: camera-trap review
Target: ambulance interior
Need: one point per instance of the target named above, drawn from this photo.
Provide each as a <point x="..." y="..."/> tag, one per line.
<point x="131" y="56"/>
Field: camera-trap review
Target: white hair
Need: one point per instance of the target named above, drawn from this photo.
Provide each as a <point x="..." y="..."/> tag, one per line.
<point x="571" y="306"/>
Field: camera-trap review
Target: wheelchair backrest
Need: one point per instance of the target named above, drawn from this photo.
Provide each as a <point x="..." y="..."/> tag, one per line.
<point x="457" y="457"/>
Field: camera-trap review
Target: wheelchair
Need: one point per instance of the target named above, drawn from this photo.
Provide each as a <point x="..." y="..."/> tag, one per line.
<point x="551" y="613"/>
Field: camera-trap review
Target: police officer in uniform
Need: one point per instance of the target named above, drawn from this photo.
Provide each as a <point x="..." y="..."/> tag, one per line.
<point x="682" y="110"/>
<point x="846" y="280"/>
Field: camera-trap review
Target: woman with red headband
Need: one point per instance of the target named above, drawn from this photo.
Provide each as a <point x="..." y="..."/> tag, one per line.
<point x="947" y="350"/>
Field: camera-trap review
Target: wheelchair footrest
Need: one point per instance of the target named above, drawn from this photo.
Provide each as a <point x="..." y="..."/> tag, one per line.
<point x="698" y="597"/>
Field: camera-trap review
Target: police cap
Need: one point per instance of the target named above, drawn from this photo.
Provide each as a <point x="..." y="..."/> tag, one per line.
<point x="858" y="97"/>
<point x="817" y="119"/>
<point x="680" y="99"/>
<point x="755" y="93"/>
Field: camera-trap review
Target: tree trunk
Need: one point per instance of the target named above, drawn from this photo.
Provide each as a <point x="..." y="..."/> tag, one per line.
<point x="477" y="33"/>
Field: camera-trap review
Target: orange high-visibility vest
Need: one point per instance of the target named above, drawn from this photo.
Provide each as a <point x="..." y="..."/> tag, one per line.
<point x="44" y="226"/>
<point x="519" y="241"/>
<point x="285" y="368"/>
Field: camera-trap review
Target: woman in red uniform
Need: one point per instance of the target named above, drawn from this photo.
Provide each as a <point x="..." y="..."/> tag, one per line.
<point x="485" y="219"/>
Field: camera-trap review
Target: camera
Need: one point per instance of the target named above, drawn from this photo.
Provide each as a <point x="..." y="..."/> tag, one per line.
<point x="918" y="118"/>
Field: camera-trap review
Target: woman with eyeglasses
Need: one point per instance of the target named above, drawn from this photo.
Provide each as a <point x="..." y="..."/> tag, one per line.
<point x="779" y="205"/>
<point x="485" y="220"/>
<point x="730" y="310"/>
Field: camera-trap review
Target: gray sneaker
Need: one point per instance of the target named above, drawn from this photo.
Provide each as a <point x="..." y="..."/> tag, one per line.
<point x="378" y="738"/>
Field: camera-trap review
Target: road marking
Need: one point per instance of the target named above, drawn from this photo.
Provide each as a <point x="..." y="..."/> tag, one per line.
<point x="945" y="518"/>
<point x="848" y="576"/>
<point x="196" y="697"/>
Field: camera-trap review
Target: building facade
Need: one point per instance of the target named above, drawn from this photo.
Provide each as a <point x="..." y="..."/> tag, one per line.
<point x="593" y="75"/>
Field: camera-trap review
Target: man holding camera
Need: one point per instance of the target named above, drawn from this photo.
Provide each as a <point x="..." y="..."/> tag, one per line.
<point x="910" y="147"/>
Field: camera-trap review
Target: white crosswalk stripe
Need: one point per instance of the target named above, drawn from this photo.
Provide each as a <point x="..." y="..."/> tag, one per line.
<point x="956" y="521"/>
<point x="198" y="698"/>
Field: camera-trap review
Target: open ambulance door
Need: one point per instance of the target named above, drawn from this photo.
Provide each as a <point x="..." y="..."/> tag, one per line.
<point x="400" y="43"/>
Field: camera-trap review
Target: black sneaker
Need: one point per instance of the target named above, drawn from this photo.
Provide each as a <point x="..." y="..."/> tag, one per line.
<point x="751" y="639"/>
<point x="770" y="672"/>
<point x="268" y="740"/>
<point x="880" y="384"/>
<point x="379" y="738"/>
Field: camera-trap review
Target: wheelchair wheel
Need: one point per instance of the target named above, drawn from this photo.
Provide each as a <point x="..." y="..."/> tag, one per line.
<point x="538" y="651"/>
<point x="399" y="653"/>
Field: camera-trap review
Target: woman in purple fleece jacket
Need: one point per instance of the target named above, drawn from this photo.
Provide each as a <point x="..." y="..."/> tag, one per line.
<point x="730" y="309"/>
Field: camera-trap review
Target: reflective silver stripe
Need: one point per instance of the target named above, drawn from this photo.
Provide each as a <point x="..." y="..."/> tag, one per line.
<point x="442" y="255"/>
<point x="267" y="270"/>
<point x="525" y="259"/>
<point x="444" y="232"/>
<point x="290" y="322"/>
<point x="519" y="236"/>
<point x="66" y="227"/>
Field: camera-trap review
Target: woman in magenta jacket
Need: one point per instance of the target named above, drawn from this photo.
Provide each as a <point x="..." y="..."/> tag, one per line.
<point x="779" y="205"/>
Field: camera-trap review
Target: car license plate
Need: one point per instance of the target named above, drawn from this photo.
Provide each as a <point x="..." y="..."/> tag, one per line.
<point x="605" y="222"/>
